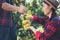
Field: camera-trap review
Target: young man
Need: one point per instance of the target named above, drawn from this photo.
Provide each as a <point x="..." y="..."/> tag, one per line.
<point x="51" y="22"/>
<point x="7" y="31"/>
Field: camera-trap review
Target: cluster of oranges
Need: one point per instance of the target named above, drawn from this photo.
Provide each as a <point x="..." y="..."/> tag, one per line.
<point x="26" y="23"/>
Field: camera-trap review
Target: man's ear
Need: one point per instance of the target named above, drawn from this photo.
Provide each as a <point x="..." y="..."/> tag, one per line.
<point x="50" y="7"/>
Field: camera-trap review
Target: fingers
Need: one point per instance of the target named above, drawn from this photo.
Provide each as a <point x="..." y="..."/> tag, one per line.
<point x="23" y="9"/>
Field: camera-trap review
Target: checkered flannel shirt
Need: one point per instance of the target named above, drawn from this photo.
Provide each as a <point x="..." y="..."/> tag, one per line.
<point x="5" y="16"/>
<point x="52" y="28"/>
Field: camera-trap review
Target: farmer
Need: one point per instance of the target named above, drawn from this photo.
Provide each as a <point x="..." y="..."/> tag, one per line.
<point x="51" y="22"/>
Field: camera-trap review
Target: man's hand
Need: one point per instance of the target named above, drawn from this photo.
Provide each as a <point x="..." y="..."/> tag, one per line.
<point x="22" y="9"/>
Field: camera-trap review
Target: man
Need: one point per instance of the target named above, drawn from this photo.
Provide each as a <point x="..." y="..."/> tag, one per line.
<point x="7" y="31"/>
<point x="50" y="21"/>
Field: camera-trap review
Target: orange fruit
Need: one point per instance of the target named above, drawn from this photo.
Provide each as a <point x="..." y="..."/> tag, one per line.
<point x="24" y="22"/>
<point x="28" y="17"/>
<point x="27" y="25"/>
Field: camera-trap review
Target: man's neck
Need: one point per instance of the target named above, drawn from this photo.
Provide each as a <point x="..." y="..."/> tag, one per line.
<point x="49" y="15"/>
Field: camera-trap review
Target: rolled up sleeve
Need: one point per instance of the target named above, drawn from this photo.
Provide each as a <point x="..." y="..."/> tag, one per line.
<point x="38" y="20"/>
<point x="1" y="2"/>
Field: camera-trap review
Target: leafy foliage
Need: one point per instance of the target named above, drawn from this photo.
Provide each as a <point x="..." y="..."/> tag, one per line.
<point x="34" y="9"/>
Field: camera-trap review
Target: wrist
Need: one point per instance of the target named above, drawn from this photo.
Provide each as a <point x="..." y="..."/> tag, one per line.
<point x="17" y="9"/>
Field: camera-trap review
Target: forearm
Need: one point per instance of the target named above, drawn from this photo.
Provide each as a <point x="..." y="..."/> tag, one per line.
<point x="37" y="33"/>
<point x="9" y="7"/>
<point x="33" y="29"/>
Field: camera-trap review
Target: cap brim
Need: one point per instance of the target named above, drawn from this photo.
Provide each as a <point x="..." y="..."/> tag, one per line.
<point x="50" y="4"/>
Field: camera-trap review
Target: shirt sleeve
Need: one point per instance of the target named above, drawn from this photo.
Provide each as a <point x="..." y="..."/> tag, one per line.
<point x="38" y="20"/>
<point x="7" y="1"/>
<point x="1" y="1"/>
<point x="48" y="32"/>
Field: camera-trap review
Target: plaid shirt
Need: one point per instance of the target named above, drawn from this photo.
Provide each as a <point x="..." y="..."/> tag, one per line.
<point x="5" y="16"/>
<point x="52" y="28"/>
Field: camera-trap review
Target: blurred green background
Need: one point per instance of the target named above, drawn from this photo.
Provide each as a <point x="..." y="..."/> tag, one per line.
<point x="35" y="8"/>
